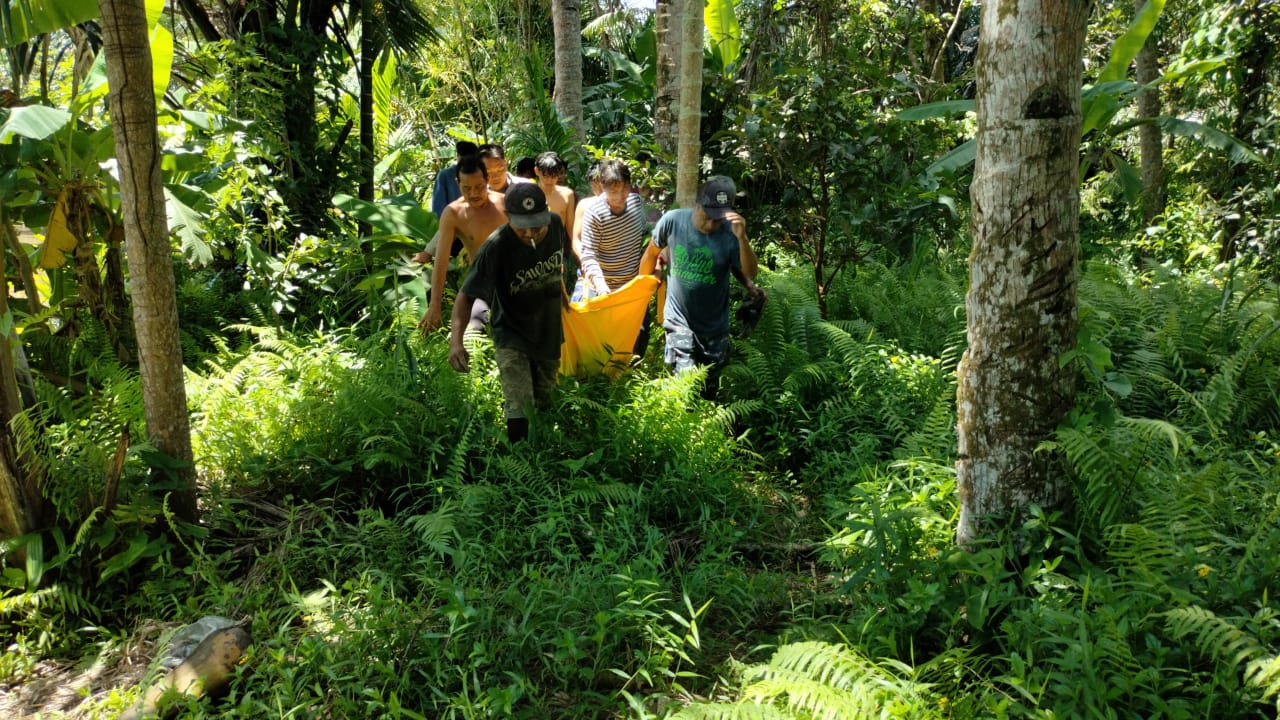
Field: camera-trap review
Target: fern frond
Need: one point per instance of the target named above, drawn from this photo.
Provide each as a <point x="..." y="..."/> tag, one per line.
<point x="1214" y="636"/>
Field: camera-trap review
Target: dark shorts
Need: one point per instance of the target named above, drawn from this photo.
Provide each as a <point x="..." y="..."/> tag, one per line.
<point x="686" y="351"/>
<point x="525" y="382"/>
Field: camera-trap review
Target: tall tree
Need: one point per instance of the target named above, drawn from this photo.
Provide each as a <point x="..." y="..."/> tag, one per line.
<point x="1021" y="304"/>
<point x="689" y="144"/>
<point x="1150" y="142"/>
<point x="132" y="103"/>
<point x="666" y="110"/>
<point x="566" y="20"/>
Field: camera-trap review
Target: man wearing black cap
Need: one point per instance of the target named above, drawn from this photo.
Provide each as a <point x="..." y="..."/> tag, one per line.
<point x="518" y="271"/>
<point x="706" y="244"/>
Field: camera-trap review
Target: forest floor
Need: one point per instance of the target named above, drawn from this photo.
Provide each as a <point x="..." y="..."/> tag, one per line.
<point x="57" y="689"/>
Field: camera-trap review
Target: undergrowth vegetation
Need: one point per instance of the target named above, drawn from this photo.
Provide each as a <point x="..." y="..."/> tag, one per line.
<point x="784" y="551"/>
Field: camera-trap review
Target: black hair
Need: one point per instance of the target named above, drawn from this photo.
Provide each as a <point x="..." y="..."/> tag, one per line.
<point x="492" y="150"/>
<point x="468" y="164"/>
<point x="551" y="163"/>
<point x="463" y="148"/>
<point x="524" y="168"/>
<point x="593" y="172"/>
<point x="613" y="172"/>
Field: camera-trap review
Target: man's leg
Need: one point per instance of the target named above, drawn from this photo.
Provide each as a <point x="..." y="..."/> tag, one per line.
<point x="713" y="353"/>
<point x="679" y="352"/>
<point x="515" y="373"/>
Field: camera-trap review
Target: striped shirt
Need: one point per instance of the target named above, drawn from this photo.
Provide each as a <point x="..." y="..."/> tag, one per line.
<point x="613" y="244"/>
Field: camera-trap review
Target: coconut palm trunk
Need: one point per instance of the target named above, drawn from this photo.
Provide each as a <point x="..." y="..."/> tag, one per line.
<point x="689" y="148"/>
<point x="566" y="20"/>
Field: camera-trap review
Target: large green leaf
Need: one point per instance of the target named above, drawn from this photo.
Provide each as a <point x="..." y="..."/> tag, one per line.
<point x="25" y="19"/>
<point x="161" y="44"/>
<point x="722" y="27"/>
<point x="34" y="121"/>
<point x="956" y="160"/>
<point x="944" y="109"/>
<point x="1212" y="137"/>
<point x="185" y="205"/>
<point x="1100" y="103"/>
<point x="1128" y="45"/>
<point x="393" y="216"/>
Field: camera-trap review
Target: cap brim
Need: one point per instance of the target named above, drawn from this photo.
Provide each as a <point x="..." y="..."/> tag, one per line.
<point x="532" y="220"/>
<point x="716" y="213"/>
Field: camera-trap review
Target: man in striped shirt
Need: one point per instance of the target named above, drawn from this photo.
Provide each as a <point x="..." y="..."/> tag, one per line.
<point x="613" y="232"/>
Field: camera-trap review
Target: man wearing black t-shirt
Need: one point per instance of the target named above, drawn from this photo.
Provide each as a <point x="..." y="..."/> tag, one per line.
<point x="518" y="271"/>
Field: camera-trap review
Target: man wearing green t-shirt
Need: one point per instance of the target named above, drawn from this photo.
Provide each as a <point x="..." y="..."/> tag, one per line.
<point x="705" y="244"/>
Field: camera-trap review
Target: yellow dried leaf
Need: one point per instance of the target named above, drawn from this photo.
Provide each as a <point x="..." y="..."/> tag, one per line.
<point x="58" y="238"/>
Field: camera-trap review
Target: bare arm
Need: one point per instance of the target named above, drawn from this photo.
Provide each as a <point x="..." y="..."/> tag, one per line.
<point x="459" y="358"/>
<point x="440" y="271"/>
<point x="587" y="254"/>
<point x="750" y="265"/>
<point x="649" y="261"/>
<point x="575" y="232"/>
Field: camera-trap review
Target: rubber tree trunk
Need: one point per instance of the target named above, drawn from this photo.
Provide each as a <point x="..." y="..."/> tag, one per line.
<point x="1022" y="298"/>
<point x="132" y="103"/>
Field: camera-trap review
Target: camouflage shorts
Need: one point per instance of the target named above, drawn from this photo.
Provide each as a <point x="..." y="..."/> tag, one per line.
<point x="525" y="382"/>
<point x="686" y="351"/>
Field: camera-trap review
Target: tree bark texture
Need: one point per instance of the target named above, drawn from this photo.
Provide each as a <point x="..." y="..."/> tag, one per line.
<point x="21" y="506"/>
<point x="1150" y="142"/>
<point x="370" y="31"/>
<point x="666" y="108"/>
<point x="132" y="103"/>
<point x="689" y="143"/>
<point x="566" y="20"/>
<point x="1021" y="302"/>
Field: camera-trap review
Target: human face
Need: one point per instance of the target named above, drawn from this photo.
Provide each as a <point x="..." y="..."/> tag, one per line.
<point x="616" y="195"/>
<point x="702" y="222"/>
<point x="532" y="236"/>
<point x="548" y="179"/>
<point x="497" y="168"/>
<point x="474" y="188"/>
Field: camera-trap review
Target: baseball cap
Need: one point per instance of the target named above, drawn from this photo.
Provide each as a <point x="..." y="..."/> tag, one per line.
<point x="526" y="206"/>
<point x="716" y="196"/>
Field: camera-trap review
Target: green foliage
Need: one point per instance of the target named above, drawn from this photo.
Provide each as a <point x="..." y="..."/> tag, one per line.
<point x="810" y="393"/>
<point x="819" y="680"/>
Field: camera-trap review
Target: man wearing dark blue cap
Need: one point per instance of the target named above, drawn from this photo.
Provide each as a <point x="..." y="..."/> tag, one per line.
<point x="518" y="271"/>
<point x="705" y="245"/>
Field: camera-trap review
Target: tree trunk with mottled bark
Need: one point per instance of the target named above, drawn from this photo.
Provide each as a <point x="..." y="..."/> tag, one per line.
<point x="689" y="143"/>
<point x="1022" y="297"/>
<point x="666" y="108"/>
<point x="566" y="21"/>
<point x="132" y="103"/>
<point x="369" y="49"/>
<point x="1150" y="142"/>
<point x="21" y="506"/>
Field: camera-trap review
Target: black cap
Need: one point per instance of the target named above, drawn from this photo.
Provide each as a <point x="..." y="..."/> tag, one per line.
<point x="716" y="196"/>
<point x="526" y="206"/>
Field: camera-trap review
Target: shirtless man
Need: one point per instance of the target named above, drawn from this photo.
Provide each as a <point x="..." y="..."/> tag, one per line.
<point x="551" y="170"/>
<point x="472" y="218"/>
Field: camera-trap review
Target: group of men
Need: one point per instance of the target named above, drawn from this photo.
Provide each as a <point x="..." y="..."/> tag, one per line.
<point x="520" y="237"/>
